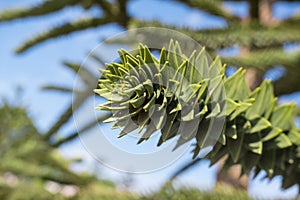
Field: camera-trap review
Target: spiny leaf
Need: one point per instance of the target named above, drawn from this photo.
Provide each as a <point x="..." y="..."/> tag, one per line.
<point x="235" y="147"/>
<point x="283" y="121"/>
<point x="282" y="141"/>
<point x="259" y="125"/>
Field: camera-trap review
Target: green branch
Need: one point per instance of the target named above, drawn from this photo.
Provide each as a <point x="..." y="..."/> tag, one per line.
<point x="75" y="134"/>
<point x="295" y="19"/>
<point x="265" y="59"/>
<point x="65" y="116"/>
<point x="57" y="88"/>
<point x="46" y="7"/>
<point x="212" y="7"/>
<point x="252" y="36"/>
<point x="64" y="29"/>
<point x="182" y="95"/>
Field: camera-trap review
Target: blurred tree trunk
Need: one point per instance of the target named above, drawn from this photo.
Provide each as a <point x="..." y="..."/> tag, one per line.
<point x="260" y="11"/>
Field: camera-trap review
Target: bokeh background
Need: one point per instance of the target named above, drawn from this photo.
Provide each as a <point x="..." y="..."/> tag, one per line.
<point x="22" y="75"/>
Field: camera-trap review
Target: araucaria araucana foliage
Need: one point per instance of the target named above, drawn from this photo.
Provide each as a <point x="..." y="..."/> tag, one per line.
<point x="182" y="95"/>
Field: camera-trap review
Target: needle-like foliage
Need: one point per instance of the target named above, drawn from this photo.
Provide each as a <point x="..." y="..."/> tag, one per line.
<point x="187" y="96"/>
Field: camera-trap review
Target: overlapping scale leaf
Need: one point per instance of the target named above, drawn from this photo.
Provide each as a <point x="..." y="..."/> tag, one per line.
<point x="169" y="94"/>
<point x="179" y="94"/>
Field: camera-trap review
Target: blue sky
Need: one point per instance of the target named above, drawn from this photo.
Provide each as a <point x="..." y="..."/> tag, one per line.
<point x="42" y="65"/>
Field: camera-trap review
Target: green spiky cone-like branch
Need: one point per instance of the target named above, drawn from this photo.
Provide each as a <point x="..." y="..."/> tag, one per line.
<point x="182" y="95"/>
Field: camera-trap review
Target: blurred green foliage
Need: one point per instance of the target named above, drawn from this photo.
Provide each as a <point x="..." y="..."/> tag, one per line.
<point x="221" y="192"/>
<point x="30" y="169"/>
